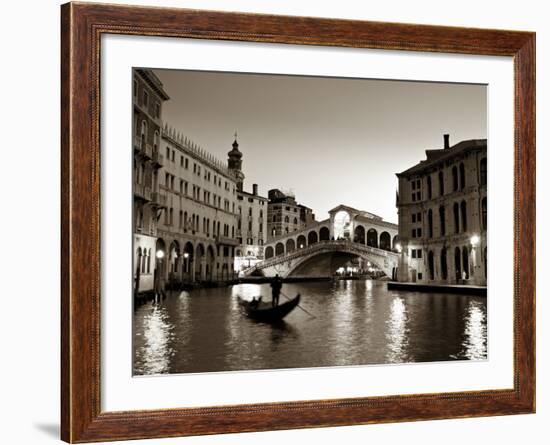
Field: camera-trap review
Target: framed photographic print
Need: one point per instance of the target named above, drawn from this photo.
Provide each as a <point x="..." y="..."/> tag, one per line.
<point x="277" y="222"/>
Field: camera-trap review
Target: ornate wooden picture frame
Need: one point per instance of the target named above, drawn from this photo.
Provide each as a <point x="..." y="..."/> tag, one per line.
<point x="82" y="26"/>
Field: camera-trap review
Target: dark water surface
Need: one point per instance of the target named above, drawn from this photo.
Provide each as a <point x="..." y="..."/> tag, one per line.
<point x="356" y="323"/>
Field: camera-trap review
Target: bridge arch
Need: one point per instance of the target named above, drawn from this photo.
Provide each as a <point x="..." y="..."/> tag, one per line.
<point x="372" y="238"/>
<point x="290" y="245"/>
<point x="268" y="252"/>
<point x="359" y="234"/>
<point x="324" y="234"/>
<point x="385" y="241"/>
<point x="279" y="249"/>
<point x="301" y="242"/>
<point x="312" y="237"/>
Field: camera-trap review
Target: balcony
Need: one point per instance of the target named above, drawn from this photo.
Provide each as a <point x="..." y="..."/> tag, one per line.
<point x="144" y="149"/>
<point x="157" y="159"/>
<point x="158" y="199"/>
<point x="226" y="241"/>
<point x="142" y="192"/>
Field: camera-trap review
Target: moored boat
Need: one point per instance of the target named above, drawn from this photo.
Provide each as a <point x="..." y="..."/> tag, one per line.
<point x="263" y="311"/>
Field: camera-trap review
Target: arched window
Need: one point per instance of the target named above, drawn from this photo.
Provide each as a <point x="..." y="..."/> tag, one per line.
<point x="144" y="261"/>
<point x="444" y="263"/>
<point x="484" y="213"/>
<point x="290" y="245"/>
<point x="464" y="215"/>
<point x="430" y="224"/>
<point x="456" y="217"/>
<point x="458" y="260"/>
<point x="138" y="259"/>
<point x="385" y="241"/>
<point x="143" y="136"/>
<point x="312" y="238"/>
<point x="287" y="219"/>
<point x="261" y="213"/>
<point x="156" y="141"/>
<point x="295" y="221"/>
<point x="431" y="264"/>
<point x="442" y="221"/>
<point x="466" y="262"/>
<point x="441" y="184"/>
<point x="372" y="238"/>
<point x="462" y="176"/>
<point x="429" y="187"/>
<point x="455" y="179"/>
<point x="483" y="171"/>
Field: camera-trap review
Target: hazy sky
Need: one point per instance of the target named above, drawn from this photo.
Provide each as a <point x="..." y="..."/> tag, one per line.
<point x="330" y="140"/>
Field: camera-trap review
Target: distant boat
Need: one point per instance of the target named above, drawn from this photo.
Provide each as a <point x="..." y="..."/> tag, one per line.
<point x="265" y="312"/>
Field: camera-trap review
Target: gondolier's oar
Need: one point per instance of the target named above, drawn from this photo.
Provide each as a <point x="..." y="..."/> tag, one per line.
<point x="288" y="298"/>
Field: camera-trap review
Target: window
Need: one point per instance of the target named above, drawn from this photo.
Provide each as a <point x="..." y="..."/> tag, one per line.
<point x="430" y="224"/>
<point x="419" y="232"/>
<point x="135" y="88"/>
<point x="419" y="275"/>
<point x="157" y="110"/>
<point x="414" y="217"/>
<point x="464" y="214"/>
<point x="462" y="176"/>
<point x="143" y="138"/>
<point x="419" y="253"/>
<point x="250" y="211"/>
<point x="413" y="253"/>
<point x="414" y="233"/>
<point x="455" y="179"/>
<point x="456" y="217"/>
<point x="442" y="221"/>
<point x="145" y="98"/>
<point x="429" y="187"/>
<point x="441" y="184"/>
<point x="483" y="171"/>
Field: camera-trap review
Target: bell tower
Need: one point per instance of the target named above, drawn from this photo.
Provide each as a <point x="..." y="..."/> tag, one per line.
<point x="235" y="163"/>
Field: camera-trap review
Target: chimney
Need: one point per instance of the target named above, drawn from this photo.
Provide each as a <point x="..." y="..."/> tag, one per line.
<point x="446" y="141"/>
<point x="254" y="189"/>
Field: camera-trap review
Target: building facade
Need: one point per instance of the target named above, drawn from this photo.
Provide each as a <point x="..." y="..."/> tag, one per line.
<point x="197" y="231"/>
<point x="148" y="97"/>
<point x="285" y="215"/>
<point x="442" y="206"/>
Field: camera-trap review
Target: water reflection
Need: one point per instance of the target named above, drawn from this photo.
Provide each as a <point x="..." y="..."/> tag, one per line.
<point x="155" y="353"/>
<point x="354" y="323"/>
<point x="397" y="332"/>
<point x="475" y="342"/>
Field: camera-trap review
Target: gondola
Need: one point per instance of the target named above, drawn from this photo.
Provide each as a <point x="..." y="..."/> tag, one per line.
<point x="265" y="312"/>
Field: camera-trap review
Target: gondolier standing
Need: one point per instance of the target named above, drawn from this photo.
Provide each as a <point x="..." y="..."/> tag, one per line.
<point x="276" y="286"/>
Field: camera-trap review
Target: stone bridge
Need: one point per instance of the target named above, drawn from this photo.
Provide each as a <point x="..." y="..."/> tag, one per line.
<point x="294" y="262"/>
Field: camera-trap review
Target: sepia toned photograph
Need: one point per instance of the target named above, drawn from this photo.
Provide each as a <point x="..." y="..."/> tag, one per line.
<point x="284" y="222"/>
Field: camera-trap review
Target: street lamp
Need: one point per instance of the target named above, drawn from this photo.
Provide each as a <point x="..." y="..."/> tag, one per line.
<point x="398" y="247"/>
<point x="160" y="254"/>
<point x="474" y="240"/>
<point x="301" y="246"/>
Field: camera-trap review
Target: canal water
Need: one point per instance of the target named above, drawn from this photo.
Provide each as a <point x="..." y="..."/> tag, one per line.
<point x="354" y="323"/>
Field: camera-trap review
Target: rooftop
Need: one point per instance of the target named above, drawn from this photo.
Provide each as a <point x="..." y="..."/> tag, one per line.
<point x="437" y="156"/>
